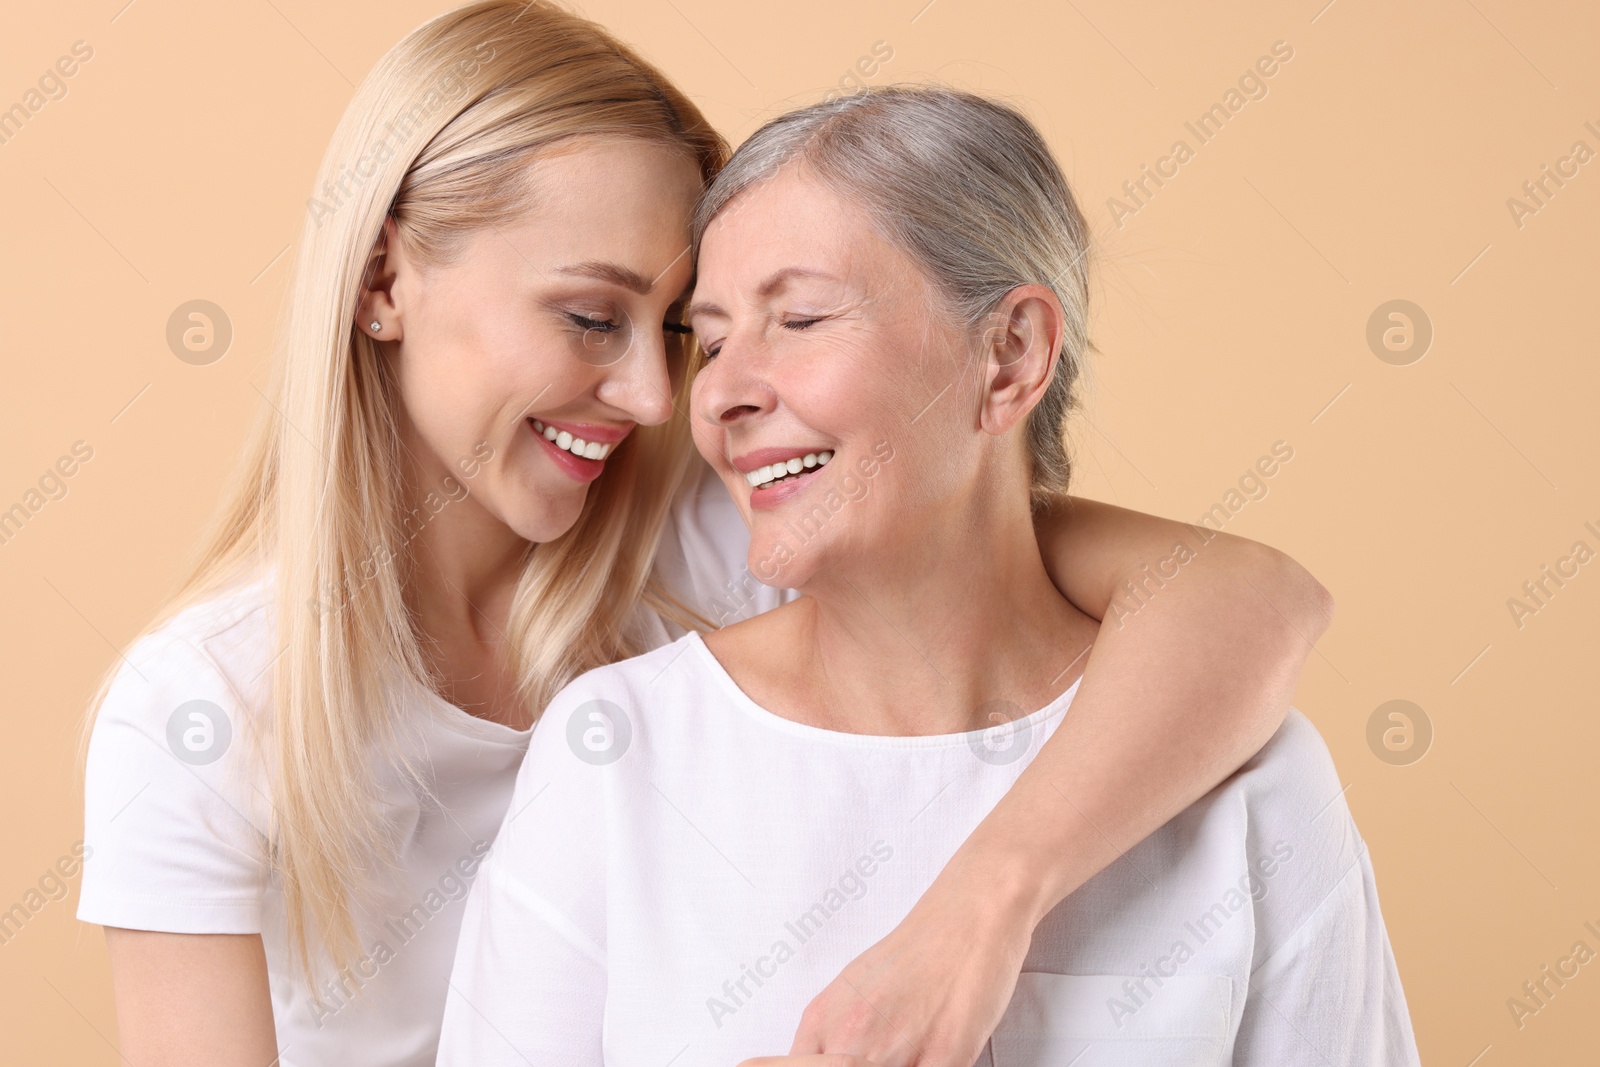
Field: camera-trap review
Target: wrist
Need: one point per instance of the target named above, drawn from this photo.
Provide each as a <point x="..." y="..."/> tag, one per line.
<point x="1007" y="886"/>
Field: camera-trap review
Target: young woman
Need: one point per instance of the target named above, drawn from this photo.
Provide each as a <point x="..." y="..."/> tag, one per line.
<point x="794" y="781"/>
<point x="472" y="482"/>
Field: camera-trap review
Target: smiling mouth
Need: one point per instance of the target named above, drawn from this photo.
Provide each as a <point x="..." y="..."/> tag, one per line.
<point x="576" y="445"/>
<point x="788" y="470"/>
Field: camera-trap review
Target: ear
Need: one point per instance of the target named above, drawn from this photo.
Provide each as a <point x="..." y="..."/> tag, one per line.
<point x="379" y="301"/>
<point x="1020" y="347"/>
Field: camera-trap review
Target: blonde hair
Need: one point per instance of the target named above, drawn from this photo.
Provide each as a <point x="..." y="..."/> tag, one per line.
<point x="968" y="189"/>
<point x="439" y="135"/>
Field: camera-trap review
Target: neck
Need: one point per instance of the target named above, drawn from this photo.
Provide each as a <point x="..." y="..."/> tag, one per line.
<point x="925" y="640"/>
<point x="465" y="561"/>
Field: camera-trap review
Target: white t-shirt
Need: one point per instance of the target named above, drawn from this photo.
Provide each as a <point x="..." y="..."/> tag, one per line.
<point x="681" y="872"/>
<point x="177" y="809"/>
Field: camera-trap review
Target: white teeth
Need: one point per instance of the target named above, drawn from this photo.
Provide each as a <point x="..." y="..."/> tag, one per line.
<point x="576" y="445"/>
<point x="772" y="472"/>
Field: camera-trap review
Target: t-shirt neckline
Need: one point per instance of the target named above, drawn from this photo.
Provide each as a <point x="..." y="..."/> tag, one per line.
<point x="462" y="721"/>
<point x="773" y="720"/>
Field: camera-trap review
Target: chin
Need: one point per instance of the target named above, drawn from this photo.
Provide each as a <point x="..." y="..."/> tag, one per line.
<point x="546" y="518"/>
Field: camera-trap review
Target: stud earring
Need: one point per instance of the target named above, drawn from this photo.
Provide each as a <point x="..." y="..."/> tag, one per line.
<point x="376" y="326"/>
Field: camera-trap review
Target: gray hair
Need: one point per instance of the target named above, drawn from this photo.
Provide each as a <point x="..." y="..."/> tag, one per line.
<point x="968" y="189"/>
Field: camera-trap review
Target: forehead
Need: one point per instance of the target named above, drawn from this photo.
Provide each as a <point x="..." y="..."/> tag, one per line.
<point x="609" y="199"/>
<point x="793" y="220"/>
<point x="792" y="203"/>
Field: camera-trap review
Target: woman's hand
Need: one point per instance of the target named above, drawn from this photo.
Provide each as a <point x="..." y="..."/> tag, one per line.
<point x="931" y="992"/>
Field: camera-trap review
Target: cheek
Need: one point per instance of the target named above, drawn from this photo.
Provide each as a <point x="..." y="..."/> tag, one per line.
<point x="448" y="397"/>
<point x="844" y="393"/>
<point x="467" y="390"/>
<point x="933" y="461"/>
<point x="480" y="352"/>
<point x="894" y="373"/>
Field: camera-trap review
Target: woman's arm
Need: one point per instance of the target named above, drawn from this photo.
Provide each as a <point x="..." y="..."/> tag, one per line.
<point x="174" y="848"/>
<point x="191" y="1000"/>
<point x="1202" y="639"/>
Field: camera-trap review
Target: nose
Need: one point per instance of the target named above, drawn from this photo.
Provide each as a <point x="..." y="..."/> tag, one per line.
<point x="640" y="383"/>
<point x="732" y="387"/>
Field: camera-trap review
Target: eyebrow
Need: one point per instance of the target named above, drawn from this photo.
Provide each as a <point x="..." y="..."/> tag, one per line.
<point x="776" y="281"/>
<point x="610" y="272"/>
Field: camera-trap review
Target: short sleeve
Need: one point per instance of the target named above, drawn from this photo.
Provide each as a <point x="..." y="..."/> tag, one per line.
<point x="174" y="831"/>
<point x="704" y="550"/>
<point x="1323" y="986"/>
<point x="1330" y="992"/>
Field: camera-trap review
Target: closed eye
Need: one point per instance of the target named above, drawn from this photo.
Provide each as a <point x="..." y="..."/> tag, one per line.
<point x="790" y="324"/>
<point x="586" y="323"/>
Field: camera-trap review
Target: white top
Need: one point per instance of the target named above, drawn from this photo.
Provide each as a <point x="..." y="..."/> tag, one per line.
<point x="682" y="871"/>
<point x="176" y="810"/>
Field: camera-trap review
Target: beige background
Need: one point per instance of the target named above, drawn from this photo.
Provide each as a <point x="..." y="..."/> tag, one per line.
<point x="1233" y="313"/>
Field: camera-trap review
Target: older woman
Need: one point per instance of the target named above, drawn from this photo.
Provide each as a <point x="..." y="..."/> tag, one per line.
<point x="892" y="298"/>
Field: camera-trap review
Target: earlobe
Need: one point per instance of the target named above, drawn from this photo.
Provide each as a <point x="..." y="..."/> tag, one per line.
<point x="378" y="313"/>
<point x="378" y="316"/>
